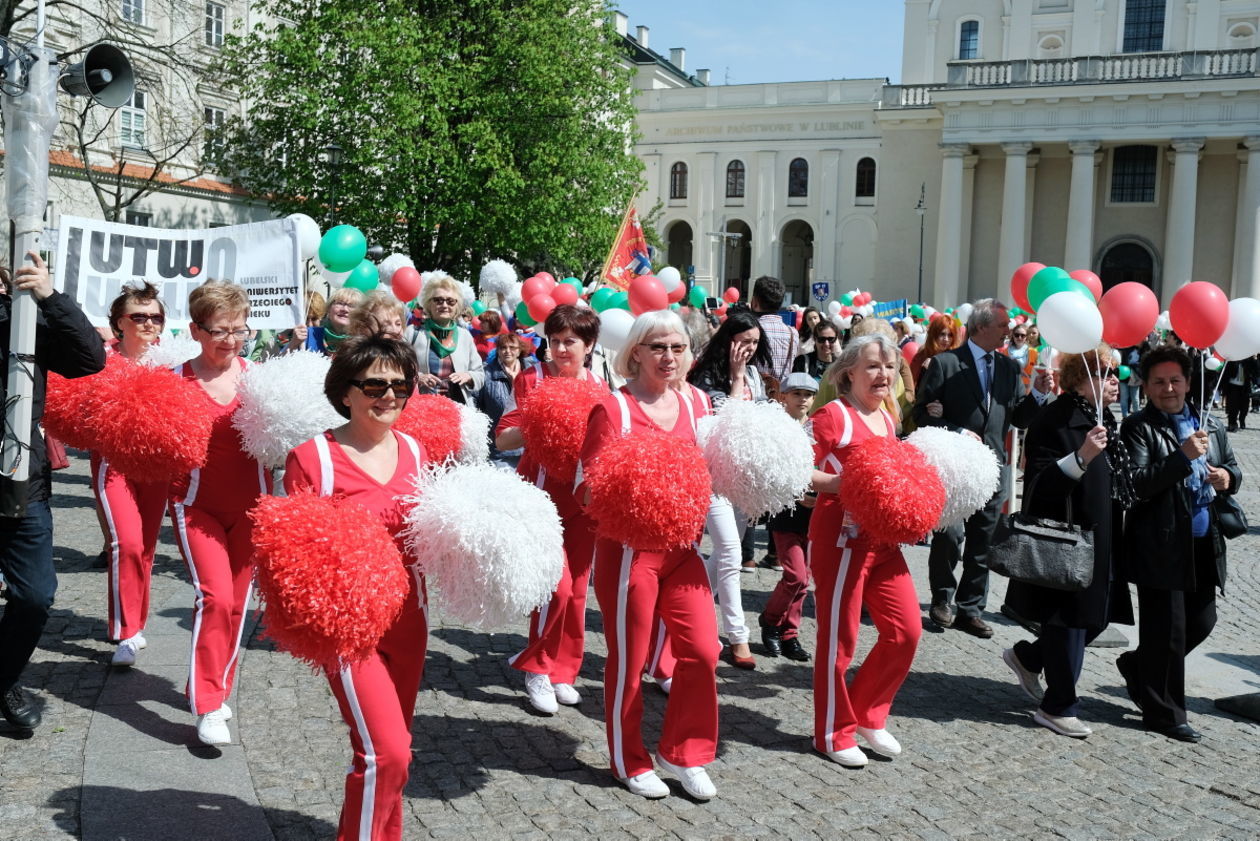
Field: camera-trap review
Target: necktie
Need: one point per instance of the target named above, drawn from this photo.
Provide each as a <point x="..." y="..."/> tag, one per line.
<point x="988" y="380"/>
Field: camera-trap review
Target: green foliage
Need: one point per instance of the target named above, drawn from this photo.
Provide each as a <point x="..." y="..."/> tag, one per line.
<point x="471" y="129"/>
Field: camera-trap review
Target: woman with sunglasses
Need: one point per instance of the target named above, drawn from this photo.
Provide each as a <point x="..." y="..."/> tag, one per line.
<point x="826" y="343"/>
<point x="445" y="350"/>
<point x="130" y="511"/>
<point x="368" y="463"/>
<point x="210" y="508"/>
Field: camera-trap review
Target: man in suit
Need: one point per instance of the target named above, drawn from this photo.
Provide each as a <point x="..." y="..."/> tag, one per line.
<point x="975" y="390"/>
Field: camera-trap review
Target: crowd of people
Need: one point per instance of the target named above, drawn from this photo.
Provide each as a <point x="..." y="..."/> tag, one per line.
<point x="1151" y="486"/>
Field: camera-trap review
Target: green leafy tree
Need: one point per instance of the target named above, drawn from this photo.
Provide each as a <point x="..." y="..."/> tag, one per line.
<point x="471" y="129"/>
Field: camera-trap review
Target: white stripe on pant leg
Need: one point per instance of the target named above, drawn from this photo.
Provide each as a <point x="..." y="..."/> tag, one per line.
<point x="659" y="647"/>
<point x="369" y="756"/>
<point x="181" y="531"/>
<point x="240" y="632"/>
<point x="115" y="551"/>
<point x="833" y="645"/>
<point x="623" y="579"/>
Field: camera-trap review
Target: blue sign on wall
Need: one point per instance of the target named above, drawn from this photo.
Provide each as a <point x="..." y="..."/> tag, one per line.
<point x="822" y="290"/>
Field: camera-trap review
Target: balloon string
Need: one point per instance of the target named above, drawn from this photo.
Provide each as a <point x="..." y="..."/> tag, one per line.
<point x="1216" y="389"/>
<point x="1096" y="390"/>
<point x="1203" y="410"/>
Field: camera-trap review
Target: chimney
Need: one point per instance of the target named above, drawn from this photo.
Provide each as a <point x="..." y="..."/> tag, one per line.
<point x="678" y="57"/>
<point x="702" y="75"/>
<point x="641" y="35"/>
<point x="620" y="22"/>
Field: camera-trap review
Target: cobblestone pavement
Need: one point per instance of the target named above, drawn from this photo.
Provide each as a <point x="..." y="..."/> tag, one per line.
<point x="975" y="765"/>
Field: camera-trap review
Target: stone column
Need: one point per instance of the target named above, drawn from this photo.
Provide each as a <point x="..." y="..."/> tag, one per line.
<point x="1247" y="231"/>
<point x="947" y="280"/>
<point x="764" y="233"/>
<point x="1014" y="213"/>
<point x="1080" y="219"/>
<point x="1179" y="239"/>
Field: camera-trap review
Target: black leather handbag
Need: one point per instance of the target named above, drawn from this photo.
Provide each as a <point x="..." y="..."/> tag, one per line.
<point x="1230" y="517"/>
<point x="1041" y="551"/>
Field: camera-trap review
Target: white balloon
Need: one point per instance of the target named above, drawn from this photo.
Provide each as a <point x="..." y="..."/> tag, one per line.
<point x="670" y="278"/>
<point x="1241" y="338"/>
<point x="1072" y="326"/>
<point x="307" y="235"/>
<point x="335" y="279"/>
<point x="614" y="328"/>
<point x="867" y="310"/>
<point x="964" y="312"/>
<point x="833" y="308"/>
<point x="1213" y="364"/>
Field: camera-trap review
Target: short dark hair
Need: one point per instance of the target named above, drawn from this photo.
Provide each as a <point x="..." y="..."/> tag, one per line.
<point x="356" y="355"/>
<point x="582" y="322"/>
<point x="1162" y="354"/>
<point x="140" y="292"/>
<point x="768" y="292"/>
<point x="824" y="325"/>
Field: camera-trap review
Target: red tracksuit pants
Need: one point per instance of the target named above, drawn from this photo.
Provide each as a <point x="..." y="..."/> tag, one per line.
<point x="132" y="515"/>
<point x="633" y="588"/>
<point x="845" y="578"/>
<point x="377" y="697"/>
<point x="557" y="632"/>
<point x="218" y="550"/>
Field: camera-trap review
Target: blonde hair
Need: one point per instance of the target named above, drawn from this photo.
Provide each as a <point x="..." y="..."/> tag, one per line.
<point x="871" y="326"/>
<point x="647" y="325"/>
<point x="840" y="373"/>
<point x="215" y="297"/>
<point x="366" y="318"/>
<point x="315" y="305"/>
<point x="1076" y="368"/>
<point x="346" y="295"/>
<point x="436" y="284"/>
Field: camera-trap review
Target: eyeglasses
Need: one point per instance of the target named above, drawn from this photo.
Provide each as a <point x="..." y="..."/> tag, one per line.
<point x="827" y="340"/>
<point x="659" y="349"/>
<point x="444" y="302"/>
<point x="1020" y="335"/>
<point x="1108" y="372"/>
<point x="219" y="335"/>
<point x="145" y="317"/>
<point x="375" y="389"/>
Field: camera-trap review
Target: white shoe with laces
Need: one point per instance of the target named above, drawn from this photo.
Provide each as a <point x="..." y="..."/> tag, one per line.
<point x="695" y="780"/>
<point x="541" y="694"/>
<point x="880" y="741"/>
<point x="227" y="712"/>
<point x="849" y="757"/>
<point x="566" y="694"/>
<point x="646" y="785"/>
<point x="125" y="653"/>
<point x="212" y="728"/>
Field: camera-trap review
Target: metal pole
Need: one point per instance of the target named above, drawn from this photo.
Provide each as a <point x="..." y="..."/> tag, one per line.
<point x="921" y="209"/>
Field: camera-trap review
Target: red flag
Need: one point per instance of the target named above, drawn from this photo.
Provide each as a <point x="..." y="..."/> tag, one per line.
<point x="628" y="257"/>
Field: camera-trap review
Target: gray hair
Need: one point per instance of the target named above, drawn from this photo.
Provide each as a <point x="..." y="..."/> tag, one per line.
<point x="839" y="374"/>
<point x="654" y="323"/>
<point x="984" y="313"/>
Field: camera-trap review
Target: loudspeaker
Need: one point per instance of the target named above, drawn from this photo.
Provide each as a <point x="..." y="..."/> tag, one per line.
<point x="104" y="74"/>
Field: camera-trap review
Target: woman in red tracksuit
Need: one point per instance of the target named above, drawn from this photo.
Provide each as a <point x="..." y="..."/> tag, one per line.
<point x="209" y="508"/>
<point x="369" y="464"/>
<point x="851" y="571"/>
<point x="635" y="586"/>
<point x="552" y="658"/>
<point x="130" y="510"/>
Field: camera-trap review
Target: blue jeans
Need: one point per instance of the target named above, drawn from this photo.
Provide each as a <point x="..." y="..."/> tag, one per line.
<point x="26" y="559"/>
<point x="1129" y="398"/>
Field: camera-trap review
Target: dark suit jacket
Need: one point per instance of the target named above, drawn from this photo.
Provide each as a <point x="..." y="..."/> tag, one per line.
<point x="952" y="378"/>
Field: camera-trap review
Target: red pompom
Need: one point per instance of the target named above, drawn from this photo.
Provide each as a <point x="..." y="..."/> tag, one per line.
<point x="330" y="574"/>
<point x="553" y="422"/>
<point x="70" y="406"/>
<point x="649" y="490"/>
<point x="891" y="490"/>
<point x="434" y="421"/>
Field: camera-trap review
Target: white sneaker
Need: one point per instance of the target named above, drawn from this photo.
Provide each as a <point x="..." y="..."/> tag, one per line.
<point x="541" y="694"/>
<point x="646" y="785"/>
<point x="1064" y="725"/>
<point x="212" y="728"/>
<point x="666" y="684"/>
<point x="1028" y="681"/>
<point x="695" y="780"/>
<point x="849" y="757"/>
<point x="227" y="712"/>
<point x="566" y="694"/>
<point x="141" y="642"/>
<point x="880" y="741"/>
<point x="125" y="654"/>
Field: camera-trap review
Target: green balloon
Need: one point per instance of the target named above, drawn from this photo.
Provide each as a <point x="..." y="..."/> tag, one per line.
<point x="363" y="277"/>
<point x="522" y="315"/>
<point x="697" y="295"/>
<point x="847" y="299"/>
<point x="917" y="311"/>
<point x="478" y="308"/>
<point x="602" y="299"/>
<point x="342" y="248"/>
<point x="574" y="282"/>
<point x="1052" y="280"/>
<point x="1123" y="372"/>
<point x="675" y="306"/>
<point x="620" y="301"/>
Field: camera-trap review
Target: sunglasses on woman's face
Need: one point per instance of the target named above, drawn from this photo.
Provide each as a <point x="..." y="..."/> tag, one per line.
<point x="145" y="317"/>
<point x="375" y="389"/>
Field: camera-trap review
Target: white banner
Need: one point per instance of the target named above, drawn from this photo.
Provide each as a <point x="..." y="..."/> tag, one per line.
<point x="95" y="259"/>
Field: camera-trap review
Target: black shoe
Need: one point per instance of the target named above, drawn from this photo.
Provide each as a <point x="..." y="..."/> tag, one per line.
<point x="771" y="563"/>
<point x="18" y="708"/>
<point x="941" y="615"/>
<point x="793" y="651"/>
<point x="771" y="640"/>
<point x="1124" y="666"/>
<point x="1233" y="427"/>
<point x="101" y="561"/>
<point x="1180" y="732"/>
<point x="973" y="625"/>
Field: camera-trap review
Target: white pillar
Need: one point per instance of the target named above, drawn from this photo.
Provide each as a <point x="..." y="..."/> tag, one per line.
<point x="1014" y="213"/>
<point x="1247" y="231"/>
<point x="832" y="184"/>
<point x="1080" y="220"/>
<point x="946" y="285"/>
<point x="969" y="200"/>
<point x="766" y="200"/>
<point x="1179" y="239"/>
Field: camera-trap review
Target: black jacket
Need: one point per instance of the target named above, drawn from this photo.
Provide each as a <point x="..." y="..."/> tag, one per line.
<point x="1158" y="528"/>
<point x="65" y="343"/>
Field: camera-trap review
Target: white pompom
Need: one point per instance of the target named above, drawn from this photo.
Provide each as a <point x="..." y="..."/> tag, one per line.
<point x="172" y="350"/>
<point x="969" y="470"/>
<point x="513" y="297"/>
<point x="759" y="457"/>
<point x="474" y="435"/>
<point x="489" y="542"/>
<point x="497" y="276"/>
<point x="466" y="292"/>
<point x="282" y="405"/>
<point x="386" y="268"/>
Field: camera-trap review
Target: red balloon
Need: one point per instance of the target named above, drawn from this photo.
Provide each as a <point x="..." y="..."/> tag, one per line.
<point x="475" y="324"/>
<point x="1019" y="284"/>
<point x="564" y="293"/>
<point x="676" y="295"/>
<point x="845" y="312"/>
<point x="405" y="283"/>
<point x="547" y="276"/>
<point x="647" y="294"/>
<point x="1092" y="281"/>
<point x="1199" y="313"/>
<point x="540" y="306"/>
<point x="908" y="350"/>
<point x="536" y="285"/>
<point x="731" y="295"/>
<point x="1129" y="312"/>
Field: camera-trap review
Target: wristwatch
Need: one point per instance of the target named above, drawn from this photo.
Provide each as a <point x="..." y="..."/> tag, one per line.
<point x="1080" y="462"/>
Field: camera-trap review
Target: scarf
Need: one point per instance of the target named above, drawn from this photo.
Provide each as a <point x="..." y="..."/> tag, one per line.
<point x="437" y="335"/>
<point x="1116" y="454"/>
<point x="1201" y="492"/>
<point x="332" y="339"/>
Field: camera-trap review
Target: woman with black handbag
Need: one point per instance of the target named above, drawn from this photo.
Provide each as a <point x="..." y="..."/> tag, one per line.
<point x="1077" y="468"/>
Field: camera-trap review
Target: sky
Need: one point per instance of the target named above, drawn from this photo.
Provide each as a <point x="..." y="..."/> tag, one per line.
<point x="750" y="41"/>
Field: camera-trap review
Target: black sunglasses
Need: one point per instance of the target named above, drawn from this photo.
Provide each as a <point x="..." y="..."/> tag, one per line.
<point x="144" y="317"/>
<point x="831" y="340"/>
<point x="375" y="389"/>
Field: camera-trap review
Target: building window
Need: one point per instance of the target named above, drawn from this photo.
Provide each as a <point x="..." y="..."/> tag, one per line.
<point x="735" y="180"/>
<point x="132" y="119"/>
<point x="865" y="179"/>
<point x="798" y="179"/>
<point x="132" y="11"/>
<point x="1133" y="171"/>
<point x="216" y="22"/>
<point x="136" y="217"/>
<point x="1241" y="36"/>
<point x="215" y="117"/>
<point x="678" y="181"/>
<point x="1051" y="46"/>
<point x="1143" y="26"/>
<point x="968" y="40"/>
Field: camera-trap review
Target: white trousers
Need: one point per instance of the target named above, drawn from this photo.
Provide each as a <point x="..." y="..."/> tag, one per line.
<point x="726" y="526"/>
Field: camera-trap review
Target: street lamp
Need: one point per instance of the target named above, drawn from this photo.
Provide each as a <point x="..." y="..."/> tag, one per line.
<point x="921" y="209"/>
<point x="333" y="157"/>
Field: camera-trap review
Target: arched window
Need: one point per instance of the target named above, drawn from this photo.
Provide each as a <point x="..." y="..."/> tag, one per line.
<point x="1051" y="46"/>
<point x="735" y="180"/>
<point x="798" y="179"/>
<point x="968" y="40"/>
<point x="865" y="188"/>
<point x="678" y="181"/>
